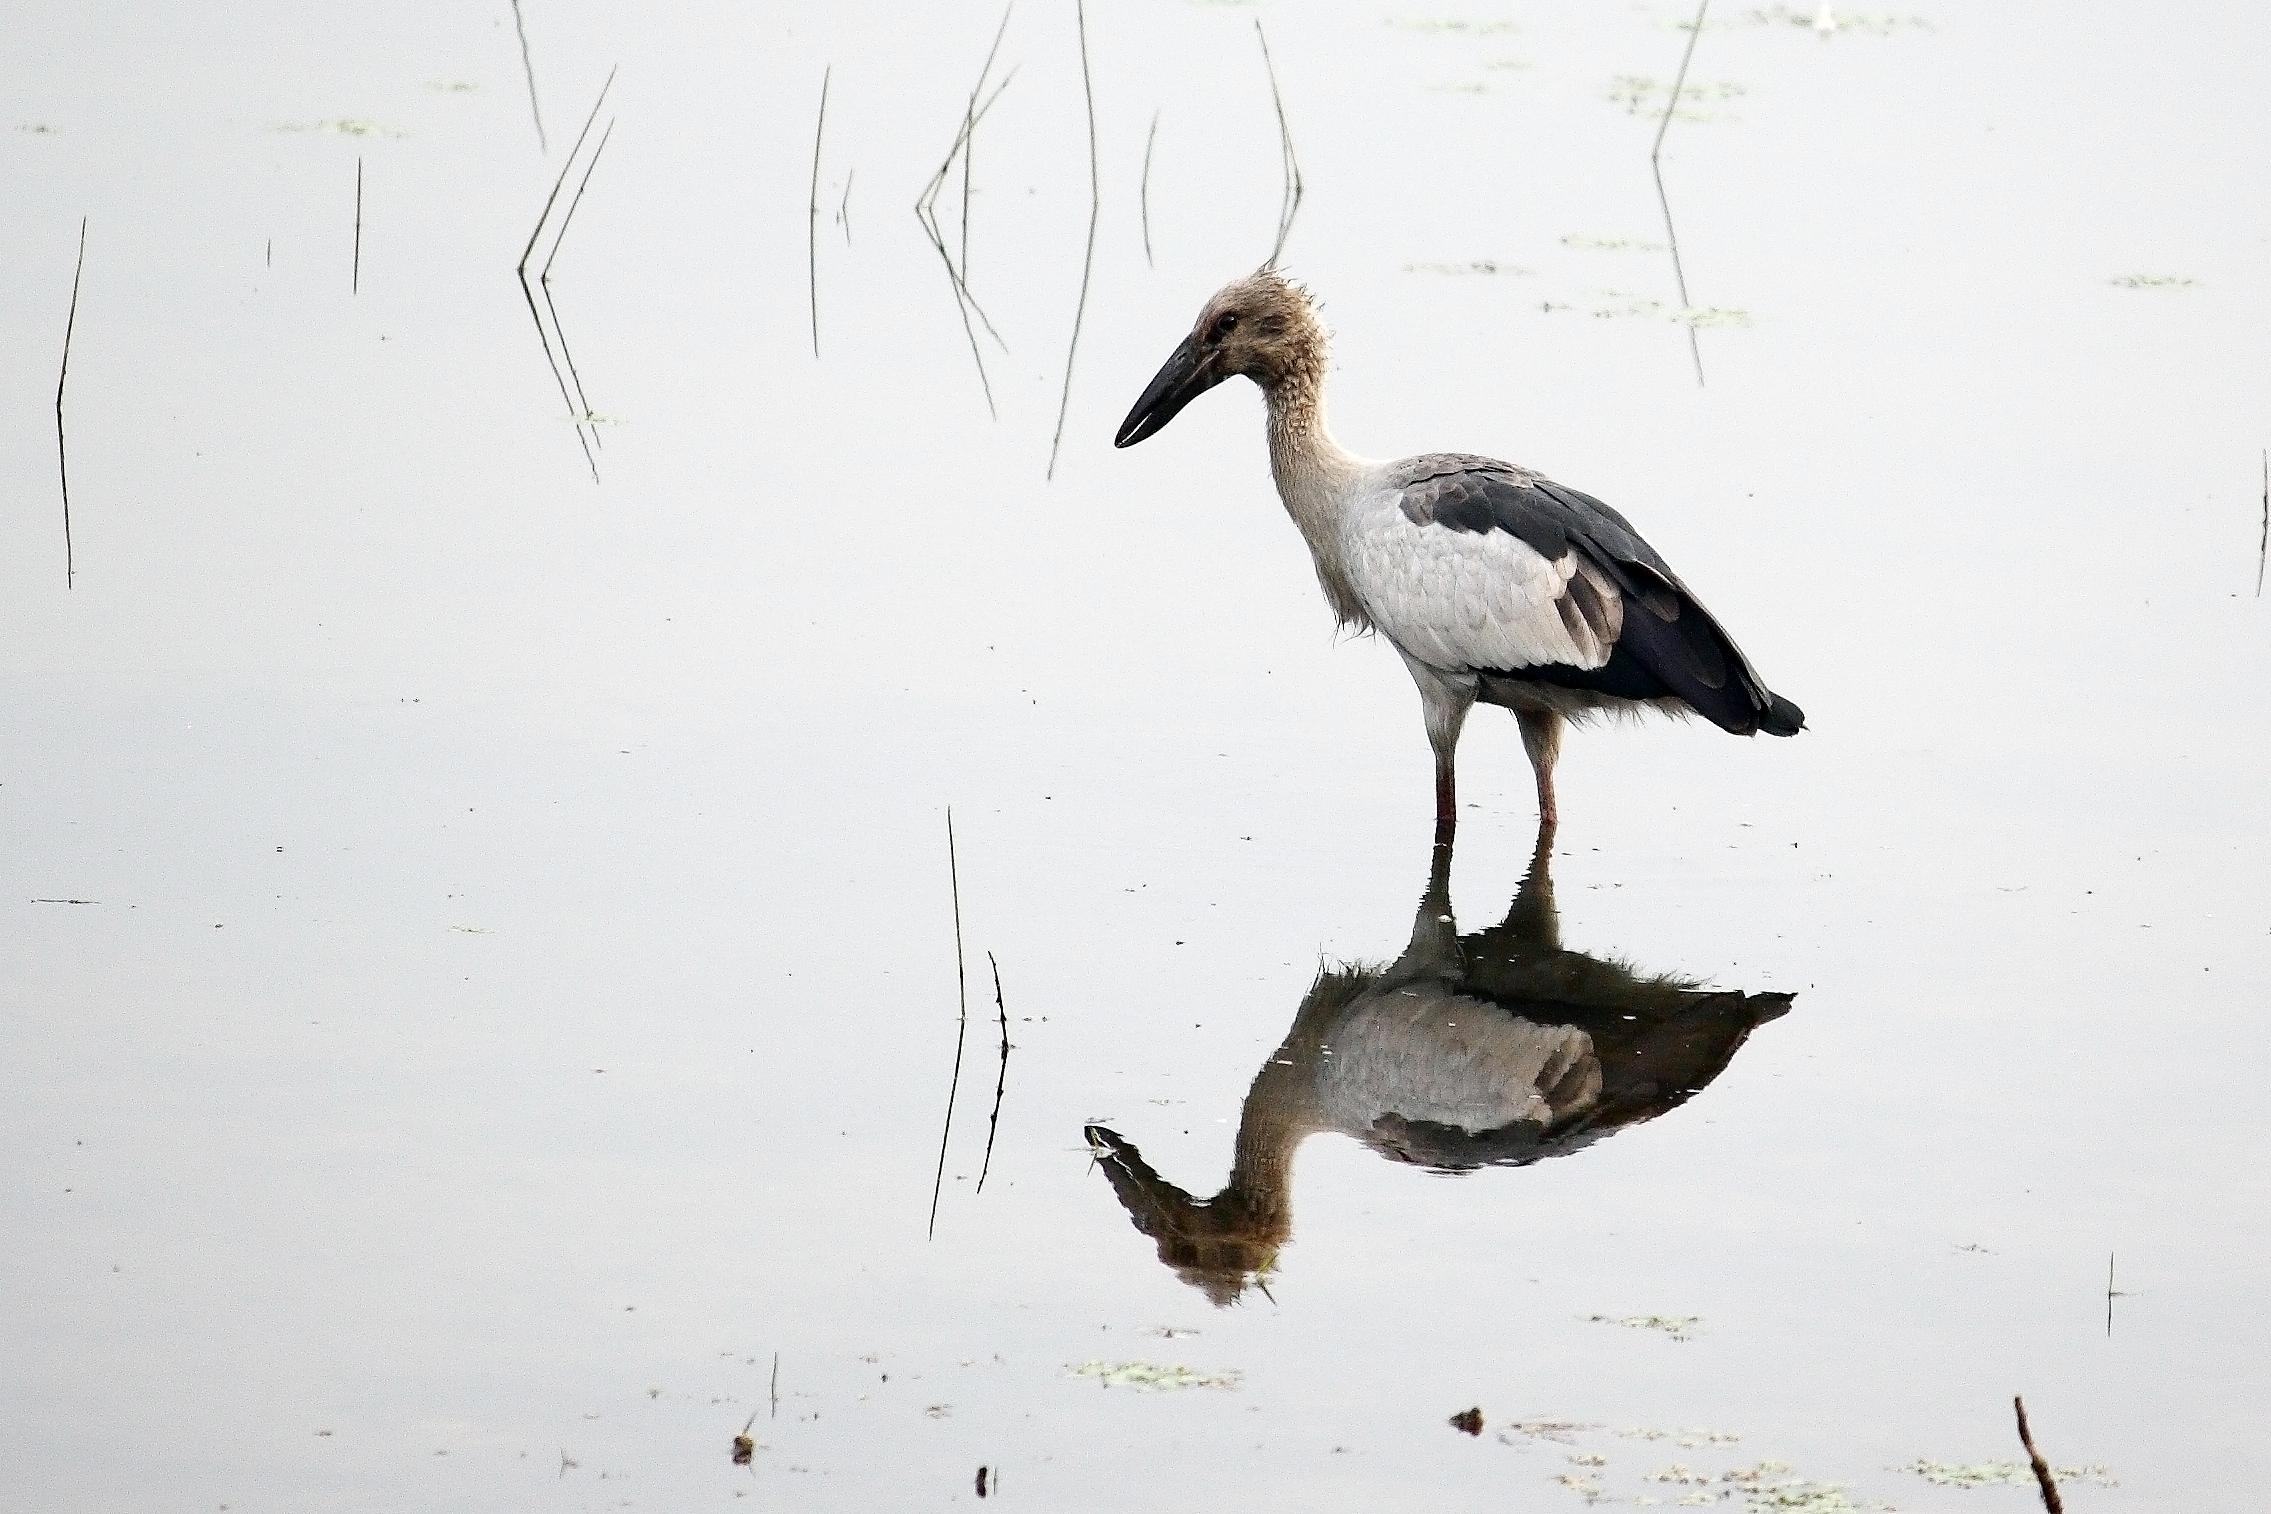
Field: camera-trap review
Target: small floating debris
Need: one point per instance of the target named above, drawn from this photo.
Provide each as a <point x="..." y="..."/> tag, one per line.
<point x="343" y="128"/>
<point x="1483" y="266"/>
<point x="1826" y="20"/>
<point x="1451" y="27"/>
<point x="1151" y="1377"/>
<point x="1561" y="1431"/>
<point x="1643" y="96"/>
<point x="1586" y="242"/>
<point x="452" y="86"/>
<point x="744" y="1448"/>
<point x="1679" y="1327"/>
<point x="1998" y="1474"/>
<point x="1681" y="315"/>
<point x="1681" y="1473"/>
<point x="1468" y="1421"/>
<point x="1585" y="1487"/>
<point x="1460" y="87"/>
<point x="2154" y="281"/>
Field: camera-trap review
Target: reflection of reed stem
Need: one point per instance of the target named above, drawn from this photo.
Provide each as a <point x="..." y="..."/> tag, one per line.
<point x="962" y="1029"/>
<point x="1656" y="166"/>
<point x="1095" y="214"/>
<point x="63" y="376"/>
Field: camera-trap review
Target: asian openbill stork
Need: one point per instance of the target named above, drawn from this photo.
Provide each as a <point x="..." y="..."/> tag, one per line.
<point x="1493" y="582"/>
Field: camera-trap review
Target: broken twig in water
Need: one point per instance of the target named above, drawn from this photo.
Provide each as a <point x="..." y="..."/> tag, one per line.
<point x="962" y="1028"/>
<point x="926" y="212"/>
<point x="2048" y="1483"/>
<point x="812" y="211"/>
<point x="1289" y="199"/>
<point x="1001" y="1079"/>
<point x="774" y="1392"/>
<point x="535" y="234"/>
<point x="1095" y="214"/>
<point x="1143" y="197"/>
<point x="1656" y="167"/>
<point x="62" y="377"/>
<point x="355" y="276"/>
<point x="529" y="69"/>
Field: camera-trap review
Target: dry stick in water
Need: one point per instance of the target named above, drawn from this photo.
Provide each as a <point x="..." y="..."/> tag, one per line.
<point x="355" y="278"/>
<point x="63" y="376"/>
<point x="1001" y="1080"/>
<point x="521" y="270"/>
<point x="812" y="211"/>
<point x="1143" y="197"/>
<point x="1289" y="200"/>
<point x="1656" y="166"/>
<point x="544" y="280"/>
<point x="529" y="69"/>
<point x="962" y="996"/>
<point x="1095" y="214"/>
<point x="2049" y="1484"/>
<point x="775" y="1391"/>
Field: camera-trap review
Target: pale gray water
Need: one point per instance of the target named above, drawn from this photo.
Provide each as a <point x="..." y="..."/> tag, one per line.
<point x="418" y="779"/>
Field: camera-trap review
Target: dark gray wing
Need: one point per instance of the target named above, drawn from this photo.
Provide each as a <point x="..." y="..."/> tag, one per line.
<point x="1667" y="642"/>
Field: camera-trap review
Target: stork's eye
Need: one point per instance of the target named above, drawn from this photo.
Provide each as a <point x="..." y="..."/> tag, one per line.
<point x="1224" y="324"/>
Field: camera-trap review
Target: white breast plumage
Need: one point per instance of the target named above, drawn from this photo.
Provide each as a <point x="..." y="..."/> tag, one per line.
<point x="1460" y="600"/>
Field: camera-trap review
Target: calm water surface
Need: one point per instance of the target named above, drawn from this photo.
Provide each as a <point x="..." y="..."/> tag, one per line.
<point x="482" y="970"/>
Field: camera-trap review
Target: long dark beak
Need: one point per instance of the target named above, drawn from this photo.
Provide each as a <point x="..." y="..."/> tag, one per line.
<point x="1188" y="374"/>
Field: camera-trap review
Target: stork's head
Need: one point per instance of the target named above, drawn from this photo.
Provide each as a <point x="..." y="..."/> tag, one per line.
<point x="1262" y="326"/>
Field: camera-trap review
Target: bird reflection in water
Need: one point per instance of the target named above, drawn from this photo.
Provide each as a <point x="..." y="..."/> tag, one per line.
<point x="1498" y="1048"/>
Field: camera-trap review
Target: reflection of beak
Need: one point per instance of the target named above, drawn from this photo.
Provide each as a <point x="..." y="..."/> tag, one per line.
<point x="1188" y="374"/>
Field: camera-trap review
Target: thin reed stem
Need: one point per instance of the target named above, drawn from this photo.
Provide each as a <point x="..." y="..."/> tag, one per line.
<point x="962" y="1027"/>
<point x="1095" y="215"/>
<point x="1289" y="198"/>
<point x="62" y="377"/>
<point x="355" y="277"/>
<point x="1144" y="196"/>
<point x="812" y="211"/>
<point x="1656" y="167"/>
<point x="528" y="293"/>
<point x="583" y="405"/>
<point x="529" y="68"/>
